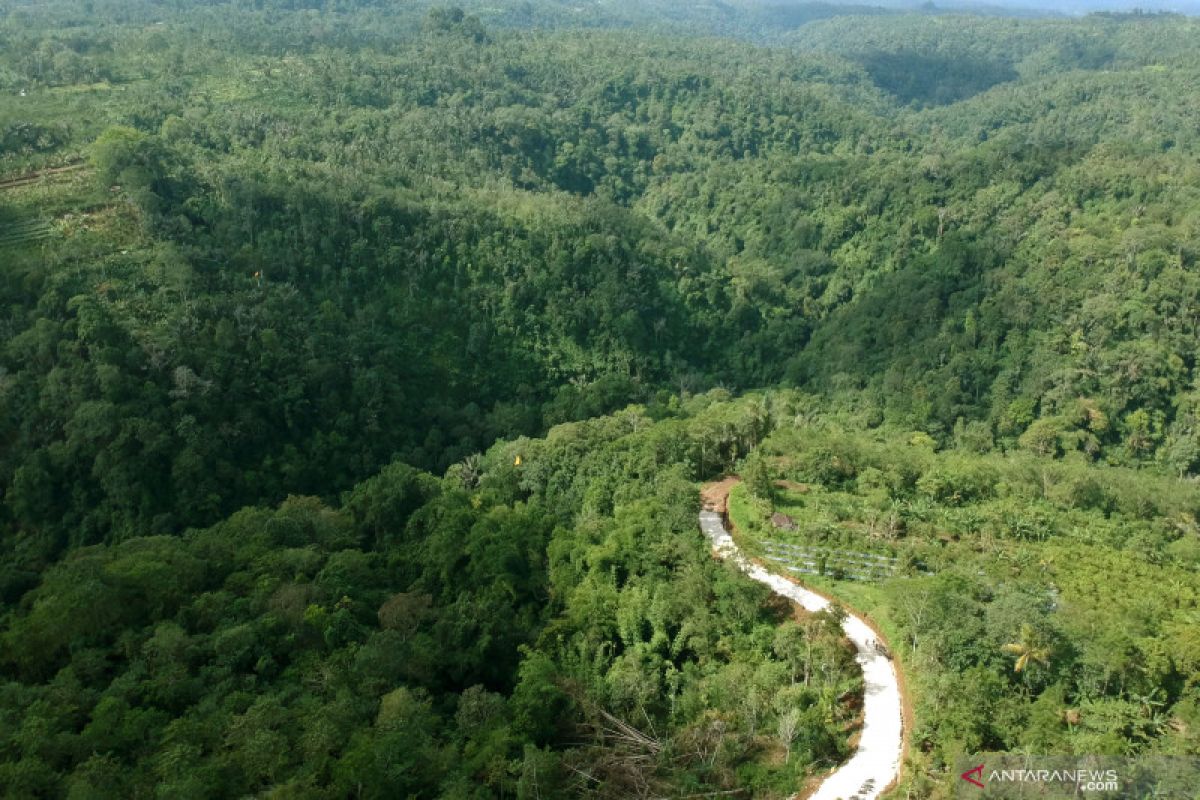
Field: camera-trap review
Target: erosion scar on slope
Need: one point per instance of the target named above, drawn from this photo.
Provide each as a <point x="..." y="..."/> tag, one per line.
<point x="875" y="765"/>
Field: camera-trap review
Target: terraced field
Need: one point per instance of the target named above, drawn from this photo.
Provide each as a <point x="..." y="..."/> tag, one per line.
<point x="63" y="207"/>
<point x="816" y="560"/>
<point x="24" y="232"/>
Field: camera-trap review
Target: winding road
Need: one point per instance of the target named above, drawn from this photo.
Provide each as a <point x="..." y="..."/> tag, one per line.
<point x="876" y="762"/>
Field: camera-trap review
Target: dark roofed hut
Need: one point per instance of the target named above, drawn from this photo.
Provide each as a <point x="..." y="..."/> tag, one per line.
<point x="783" y="521"/>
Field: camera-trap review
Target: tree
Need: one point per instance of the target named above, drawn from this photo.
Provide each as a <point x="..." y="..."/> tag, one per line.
<point x="787" y="727"/>
<point x="758" y="477"/>
<point x="1030" y="650"/>
<point x="793" y="643"/>
<point x="1043" y="437"/>
<point x="135" y="161"/>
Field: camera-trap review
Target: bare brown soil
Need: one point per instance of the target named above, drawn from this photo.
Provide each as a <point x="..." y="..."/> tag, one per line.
<point x="715" y="496"/>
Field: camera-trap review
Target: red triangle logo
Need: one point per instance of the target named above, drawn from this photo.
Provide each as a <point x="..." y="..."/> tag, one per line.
<point x="977" y="772"/>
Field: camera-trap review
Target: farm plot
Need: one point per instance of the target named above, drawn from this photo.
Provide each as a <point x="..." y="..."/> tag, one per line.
<point x="24" y="232"/>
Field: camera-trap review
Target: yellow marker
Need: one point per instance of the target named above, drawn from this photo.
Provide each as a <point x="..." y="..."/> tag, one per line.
<point x="517" y="461"/>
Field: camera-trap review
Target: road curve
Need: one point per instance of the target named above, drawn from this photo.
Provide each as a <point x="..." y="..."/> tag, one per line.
<point x="876" y="762"/>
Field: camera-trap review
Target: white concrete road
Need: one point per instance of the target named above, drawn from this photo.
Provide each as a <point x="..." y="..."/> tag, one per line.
<point x="876" y="762"/>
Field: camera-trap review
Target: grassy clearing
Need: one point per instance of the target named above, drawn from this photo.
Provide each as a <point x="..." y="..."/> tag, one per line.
<point x="751" y="519"/>
<point x="67" y="222"/>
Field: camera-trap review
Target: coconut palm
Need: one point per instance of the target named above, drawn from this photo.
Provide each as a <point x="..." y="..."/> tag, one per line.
<point x="1030" y="648"/>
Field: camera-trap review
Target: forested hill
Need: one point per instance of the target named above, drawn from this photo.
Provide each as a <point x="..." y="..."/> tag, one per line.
<point x="334" y="242"/>
<point x="256" y="251"/>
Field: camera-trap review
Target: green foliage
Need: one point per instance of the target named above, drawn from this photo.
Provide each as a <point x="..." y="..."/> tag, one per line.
<point x="757" y="476"/>
<point x="326" y="267"/>
<point x="285" y="262"/>
<point x="1021" y="611"/>
<point x="424" y="639"/>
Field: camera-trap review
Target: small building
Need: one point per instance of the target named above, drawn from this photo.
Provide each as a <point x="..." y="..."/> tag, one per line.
<point x="783" y="521"/>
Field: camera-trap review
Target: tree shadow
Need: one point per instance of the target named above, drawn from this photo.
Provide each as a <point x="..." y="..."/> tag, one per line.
<point x="933" y="80"/>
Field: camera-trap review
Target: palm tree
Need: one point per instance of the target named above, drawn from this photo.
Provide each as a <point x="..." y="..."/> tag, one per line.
<point x="471" y="470"/>
<point x="1030" y="648"/>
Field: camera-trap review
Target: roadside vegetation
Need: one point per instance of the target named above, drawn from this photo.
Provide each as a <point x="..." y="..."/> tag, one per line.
<point x="1037" y="604"/>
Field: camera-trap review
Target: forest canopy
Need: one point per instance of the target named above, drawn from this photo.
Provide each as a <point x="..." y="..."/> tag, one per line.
<point x="359" y="363"/>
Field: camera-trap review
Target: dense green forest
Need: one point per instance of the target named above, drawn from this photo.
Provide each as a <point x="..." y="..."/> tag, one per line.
<point x="538" y="631"/>
<point x="359" y="362"/>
